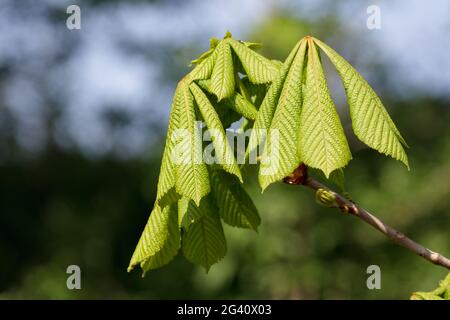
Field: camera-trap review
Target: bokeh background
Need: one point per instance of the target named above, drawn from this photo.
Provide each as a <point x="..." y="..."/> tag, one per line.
<point x="83" y="116"/>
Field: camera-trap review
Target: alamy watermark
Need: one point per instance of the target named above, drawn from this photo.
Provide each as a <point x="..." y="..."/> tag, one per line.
<point x="74" y="279"/>
<point x="73" y="21"/>
<point x="373" y="21"/>
<point x="374" y="280"/>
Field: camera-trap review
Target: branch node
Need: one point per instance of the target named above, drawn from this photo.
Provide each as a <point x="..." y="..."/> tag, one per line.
<point x="299" y="176"/>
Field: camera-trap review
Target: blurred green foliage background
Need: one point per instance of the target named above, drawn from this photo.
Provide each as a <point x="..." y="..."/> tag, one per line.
<point x="63" y="205"/>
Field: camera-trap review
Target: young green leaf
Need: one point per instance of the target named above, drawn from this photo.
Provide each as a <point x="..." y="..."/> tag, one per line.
<point x="370" y="120"/>
<point x="170" y="248"/>
<point x="204" y="243"/>
<point x="258" y="68"/>
<point x="235" y="206"/>
<point x="291" y="99"/>
<point x="204" y="66"/>
<point x="222" y="78"/>
<point x="268" y="105"/>
<point x="223" y="151"/>
<point x="280" y="156"/>
<point x="166" y="193"/>
<point x="192" y="175"/>
<point x="322" y="142"/>
<point x="160" y="240"/>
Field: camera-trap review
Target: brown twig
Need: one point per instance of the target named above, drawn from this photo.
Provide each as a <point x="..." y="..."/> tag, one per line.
<point x="300" y="177"/>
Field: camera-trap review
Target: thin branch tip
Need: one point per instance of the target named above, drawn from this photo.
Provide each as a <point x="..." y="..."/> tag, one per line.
<point x="300" y="177"/>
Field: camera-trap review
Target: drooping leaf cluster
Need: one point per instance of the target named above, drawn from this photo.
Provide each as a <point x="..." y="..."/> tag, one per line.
<point x="231" y="82"/>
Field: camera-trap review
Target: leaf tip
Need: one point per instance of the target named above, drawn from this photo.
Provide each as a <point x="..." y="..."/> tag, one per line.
<point x="213" y="42"/>
<point x="263" y="186"/>
<point x="327" y="173"/>
<point x="406" y="163"/>
<point x="262" y="183"/>
<point x="207" y="268"/>
<point x="197" y="201"/>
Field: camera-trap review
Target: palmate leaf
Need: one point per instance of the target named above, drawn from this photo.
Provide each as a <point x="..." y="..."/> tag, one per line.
<point x="280" y="156"/>
<point x="322" y="142"/>
<point x="370" y="120"/>
<point x="223" y="151"/>
<point x="235" y="206"/>
<point x="204" y="242"/>
<point x="160" y="240"/>
<point x="231" y="81"/>
<point x="192" y="175"/>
